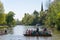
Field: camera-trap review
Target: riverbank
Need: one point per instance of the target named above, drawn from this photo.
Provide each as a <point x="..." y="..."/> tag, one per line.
<point x="56" y="32"/>
<point x="3" y="27"/>
<point x="3" y="30"/>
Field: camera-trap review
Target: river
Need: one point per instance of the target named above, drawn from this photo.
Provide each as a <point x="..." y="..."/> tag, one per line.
<point x="18" y="32"/>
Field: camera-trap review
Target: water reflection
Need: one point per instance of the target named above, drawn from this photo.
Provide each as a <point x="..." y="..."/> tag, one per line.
<point x="17" y="34"/>
<point x="18" y="30"/>
<point x="10" y="30"/>
<point x="36" y="38"/>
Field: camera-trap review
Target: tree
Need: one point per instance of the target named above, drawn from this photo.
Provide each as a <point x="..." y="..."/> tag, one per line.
<point x="2" y="15"/>
<point x="36" y="17"/>
<point x="18" y="22"/>
<point x="58" y="21"/>
<point x="27" y="19"/>
<point x="53" y="10"/>
<point x="35" y="13"/>
<point x="9" y="18"/>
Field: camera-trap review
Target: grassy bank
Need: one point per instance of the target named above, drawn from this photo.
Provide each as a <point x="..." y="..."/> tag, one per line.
<point x="56" y="35"/>
<point x="3" y="27"/>
<point x="56" y="32"/>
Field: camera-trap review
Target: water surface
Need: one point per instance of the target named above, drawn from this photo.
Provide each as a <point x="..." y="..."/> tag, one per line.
<point x="18" y="32"/>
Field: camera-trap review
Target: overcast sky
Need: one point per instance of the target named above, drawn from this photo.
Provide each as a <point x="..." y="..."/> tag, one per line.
<point x="19" y="7"/>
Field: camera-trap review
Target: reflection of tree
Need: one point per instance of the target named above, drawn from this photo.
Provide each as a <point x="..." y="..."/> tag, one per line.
<point x="10" y="30"/>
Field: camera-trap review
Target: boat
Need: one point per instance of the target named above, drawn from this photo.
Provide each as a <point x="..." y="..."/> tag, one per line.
<point x="39" y="33"/>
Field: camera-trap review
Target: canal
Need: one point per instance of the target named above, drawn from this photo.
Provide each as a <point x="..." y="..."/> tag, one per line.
<point x="19" y="30"/>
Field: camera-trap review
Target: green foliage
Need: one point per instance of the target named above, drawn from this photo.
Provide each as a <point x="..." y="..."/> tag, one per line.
<point x="2" y="15"/>
<point x="28" y="19"/>
<point x="31" y="19"/>
<point x="9" y="18"/>
<point x="42" y="17"/>
<point x="17" y="21"/>
<point x="36" y="18"/>
<point x="3" y="27"/>
<point x="2" y="18"/>
<point x="6" y="18"/>
<point x="58" y="21"/>
<point x="1" y="7"/>
<point x="35" y="13"/>
<point x="53" y="14"/>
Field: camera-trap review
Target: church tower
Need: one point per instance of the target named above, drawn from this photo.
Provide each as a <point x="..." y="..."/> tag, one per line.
<point x="42" y="6"/>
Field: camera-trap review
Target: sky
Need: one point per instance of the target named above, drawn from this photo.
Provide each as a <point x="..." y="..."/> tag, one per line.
<point x="19" y="7"/>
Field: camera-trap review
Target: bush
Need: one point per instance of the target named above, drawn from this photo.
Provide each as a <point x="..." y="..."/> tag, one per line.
<point x="58" y="28"/>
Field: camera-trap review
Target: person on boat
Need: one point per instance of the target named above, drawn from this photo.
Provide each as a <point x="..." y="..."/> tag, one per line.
<point x="29" y="32"/>
<point x="26" y="31"/>
<point x="37" y="30"/>
<point x="45" y="29"/>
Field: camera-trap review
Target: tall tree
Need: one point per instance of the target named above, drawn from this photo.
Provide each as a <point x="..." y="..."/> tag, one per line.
<point x="27" y="19"/>
<point x="53" y="10"/>
<point x="36" y="15"/>
<point x="9" y="18"/>
<point x="58" y="21"/>
<point x="2" y="17"/>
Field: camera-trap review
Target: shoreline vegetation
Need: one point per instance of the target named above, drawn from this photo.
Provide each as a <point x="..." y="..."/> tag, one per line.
<point x="6" y="20"/>
<point x="3" y="27"/>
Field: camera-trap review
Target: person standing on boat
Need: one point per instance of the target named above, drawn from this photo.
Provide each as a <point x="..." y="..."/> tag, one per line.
<point x="37" y="30"/>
